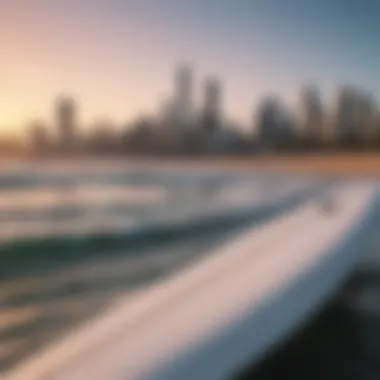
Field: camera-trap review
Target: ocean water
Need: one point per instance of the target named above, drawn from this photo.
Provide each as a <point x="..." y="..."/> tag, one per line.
<point x="44" y="204"/>
<point x="74" y="238"/>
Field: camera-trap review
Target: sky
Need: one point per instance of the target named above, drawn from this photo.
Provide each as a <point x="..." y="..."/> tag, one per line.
<point x="117" y="58"/>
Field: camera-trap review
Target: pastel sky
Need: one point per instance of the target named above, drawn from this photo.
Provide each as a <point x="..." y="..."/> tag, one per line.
<point x="117" y="57"/>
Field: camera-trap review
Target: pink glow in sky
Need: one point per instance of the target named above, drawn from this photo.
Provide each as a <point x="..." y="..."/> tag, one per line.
<point x="118" y="57"/>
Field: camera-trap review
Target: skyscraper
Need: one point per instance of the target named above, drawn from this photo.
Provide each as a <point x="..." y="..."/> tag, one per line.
<point x="66" y="121"/>
<point x="366" y="118"/>
<point x="211" y="117"/>
<point x="39" y="138"/>
<point x="346" y="111"/>
<point x="183" y="84"/>
<point x="272" y="123"/>
<point x="312" y="113"/>
<point x="182" y="105"/>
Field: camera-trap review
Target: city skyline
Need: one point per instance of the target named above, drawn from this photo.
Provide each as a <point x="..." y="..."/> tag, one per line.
<point x="117" y="57"/>
<point x="180" y="102"/>
<point x="184" y="126"/>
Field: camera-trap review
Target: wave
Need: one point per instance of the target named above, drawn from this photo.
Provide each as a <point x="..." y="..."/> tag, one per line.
<point x="33" y="255"/>
<point x="30" y="179"/>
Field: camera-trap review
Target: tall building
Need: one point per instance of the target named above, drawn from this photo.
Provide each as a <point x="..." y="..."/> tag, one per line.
<point x="212" y="108"/>
<point x="366" y="117"/>
<point x="39" y="138"/>
<point x="183" y="84"/>
<point x="271" y="123"/>
<point x="165" y="112"/>
<point x="346" y="115"/>
<point x="182" y="104"/>
<point x="66" y="121"/>
<point x="312" y="113"/>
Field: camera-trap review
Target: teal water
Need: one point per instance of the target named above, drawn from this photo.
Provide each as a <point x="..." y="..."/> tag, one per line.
<point x="73" y="239"/>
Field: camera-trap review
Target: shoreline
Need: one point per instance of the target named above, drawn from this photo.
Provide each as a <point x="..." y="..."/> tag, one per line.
<point x="327" y="163"/>
<point x="357" y="165"/>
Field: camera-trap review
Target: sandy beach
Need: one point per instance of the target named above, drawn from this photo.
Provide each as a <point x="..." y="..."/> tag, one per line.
<point x="341" y="164"/>
<point x="338" y="163"/>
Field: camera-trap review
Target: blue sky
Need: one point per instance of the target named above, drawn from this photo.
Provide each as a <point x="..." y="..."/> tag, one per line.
<point x="118" y="56"/>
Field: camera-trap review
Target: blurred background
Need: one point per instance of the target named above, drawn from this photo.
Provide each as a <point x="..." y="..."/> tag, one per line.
<point x="110" y="113"/>
<point x="136" y="77"/>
